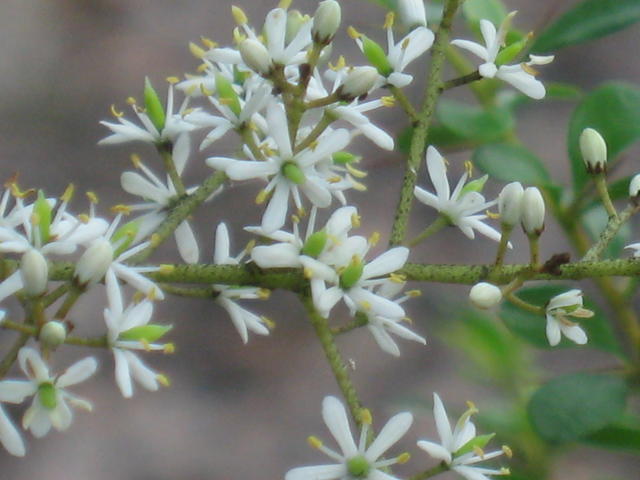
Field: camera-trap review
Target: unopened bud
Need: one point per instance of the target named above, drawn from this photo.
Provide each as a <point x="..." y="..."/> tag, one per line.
<point x="510" y="203"/>
<point x="412" y="13"/>
<point x="485" y="295"/>
<point x="255" y="55"/>
<point x="53" y="334"/>
<point x="34" y="272"/>
<point x="532" y="211"/>
<point x="594" y="150"/>
<point x="634" y="186"/>
<point x="358" y="82"/>
<point x="94" y="262"/>
<point x="326" y="21"/>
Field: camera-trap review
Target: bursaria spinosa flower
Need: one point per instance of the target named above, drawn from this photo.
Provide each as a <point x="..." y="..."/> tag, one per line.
<point x="460" y="448"/>
<point x="354" y="461"/>
<point x="558" y="311"/>
<point x="510" y="204"/>
<point x="533" y="211"/>
<point x="594" y="150"/>
<point x="461" y="206"/>
<point x="51" y="401"/>
<point x="326" y="21"/>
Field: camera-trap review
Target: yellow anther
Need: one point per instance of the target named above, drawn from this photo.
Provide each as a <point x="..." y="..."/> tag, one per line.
<point x="529" y="69"/>
<point x="308" y="273"/>
<point x="131" y="101"/>
<point x="301" y="212"/>
<point x="374" y="238"/>
<point x="388" y="20"/>
<point x="284" y="4"/>
<point x="336" y="179"/>
<point x="187" y="111"/>
<point x="353" y="33"/>
<point x="223" y="101"/>
<point x="84" y="218"/>
<point x="472" y="407"/>
<point x="207" y="93"/>
<point x="138" y="297"/>
<point x="339" y="65"/>
<point x="196" y="50"/>
<point x="388" y="101"/>
<point x="250" y="246"/>
<point x="238" y="15"/>
<point x="68" y="193"/>
<point x="413" y="293"/>
<point x="366" y="306"/>
<point x="268" y="322"/>
<point x="172" y="79"/>
<point x="262" y="197"/>
<point x="360" y="187"/>
<point x="405" y="43"/>
<point x="407" y="320"/>
<point x="203" y="67"/>
<point x="507" y="451"/>
<point x="136" y="160"/>
<point x="238" y="36"/>
<point x="207" y="42"/>
<point x="313" y="145"/>
<point x="191" y="90"/>
<point x="356" y="172"/>
<point x="116" y="113"/>
<point x="295" y="218"/>
<point x="314" y="442"/>
<point x="364" y="415"/>
<point x="93" y="198"/>
<point x="492" y="215"/>
<point x="123" y="209"/>
<point x="355" y="220"/>
<point x="468" y="167"/>
<point x="478" y="451"/>
<point x="264" y="294"/>
<point x="166" y="269"/>
<point x="155" y="240"/>
<point x="168" y="348"/>
<point x="397" y="278"/>
<point x="403" y="458"/>
<point x="152" y="294"/>
<point x="163" y="380"/>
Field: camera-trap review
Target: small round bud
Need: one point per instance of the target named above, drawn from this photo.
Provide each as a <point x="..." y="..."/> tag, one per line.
<point x="326" y="21"/>
<point x="94" y="262"/>
<point x="594" y="151"/>
<point x="634" y="186"/>
<point x="53" y="334"/>
<point x="532" y="211"/>
<point x="34" y="272"/>
<point x="358" y="82"/>
<point x="485" y="295"/>
<point x="412" y="13"/>
<point x="255" y="55"/>
<point x="510" y="203"/>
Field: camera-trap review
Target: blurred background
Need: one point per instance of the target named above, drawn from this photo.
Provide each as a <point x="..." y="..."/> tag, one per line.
<point x="235" y="411"/>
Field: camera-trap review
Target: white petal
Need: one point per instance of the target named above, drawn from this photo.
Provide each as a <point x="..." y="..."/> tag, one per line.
<point x="9" y="436"/>
<point x="181" y="151"/>
<point x="335" y="417"/>
<point x="317" y="191"/>
<point x="436" y="450"/>
<point x="438" y="173"/>
<point x="37" y="420"/>
<point x="368" y="301"/>
<point x="123" y="377"/>
<point x="61" y="416"/>
<point x="388" y="262"/>
<point x="141" y="373"/>
<point x="32" y="365"/>
<point x="187" y="243"/>
<point x="523" y="81"/>
<point x="279" y="129"/>
<point x="327" y="300"/>
<point x="394" y="429"/>
<point x="276" y="256"/>
<point x="15" y="391"/>
<point x="78" y="372"/>
<point x="276" y="213"/>
<point x="574" y="333"/>
<point x="384" y="340"/>
<point x="247" y="169"/>
<point x="11" y="284"/>
<point x="442" y="421"/>
<point x="553" y="330"/>
<point x="473" y="47"/>
<point x="237" y="317"/>
<point x="317" y="472"/>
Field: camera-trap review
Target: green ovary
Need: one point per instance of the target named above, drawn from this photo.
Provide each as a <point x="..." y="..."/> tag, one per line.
<point x="293" y="173"/>
<point x="48" y="395"/>
<point x="358" y="467"/>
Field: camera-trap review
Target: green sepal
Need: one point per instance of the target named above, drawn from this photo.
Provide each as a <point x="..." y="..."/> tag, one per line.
<point x="350" y="275"/>
<point x="48" y="395"/>
<point x="344" y="158"/>
<point x="123" y="237"/>
<point x="239" y="76"/>
<point x="480" y="442"/>
<point x="153" y="106"/>
<point x="293" y="173"/>
<point x="376" y="56"/>
<point x="148" y="333"/>
<point x="475" y="185"/>
<point x="42" y="209"/>
<point x="227" y="94"/>
<point x="315" y="244"/>
<point x="509" y="53"/>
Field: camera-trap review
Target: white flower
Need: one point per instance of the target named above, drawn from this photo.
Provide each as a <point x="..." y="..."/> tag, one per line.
<point x="521" y="76"/>
<point x="460" y="449"/>
<point x="568" y="304"/>
<point x="50" y="406"/>
<point x="458" y="207"/>
<point x="242" y="319"/>
<point x="354" y="461"/>
<point x="485" y="295"/>
<point x="10" y="437"/>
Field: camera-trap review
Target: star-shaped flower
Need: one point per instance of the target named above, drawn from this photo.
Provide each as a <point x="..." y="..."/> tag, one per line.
<point x="567" y="304"/>
<point x="354" y="461"/>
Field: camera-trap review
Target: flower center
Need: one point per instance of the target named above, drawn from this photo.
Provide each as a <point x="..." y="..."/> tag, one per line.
<point x="315" y="244"/>
<point x="48" y="395"/>
<point x="292" y="172"/>
<point x="358" y="467"/>
<point x="351" y="274"/>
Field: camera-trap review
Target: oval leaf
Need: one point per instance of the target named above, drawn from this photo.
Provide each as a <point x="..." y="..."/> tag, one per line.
<point x="474" y="124"/>
<point x="574" y="406"/>
<point x="511" y="163"/>
<point x="476" y="10"/>
<point x="588" y="20"/>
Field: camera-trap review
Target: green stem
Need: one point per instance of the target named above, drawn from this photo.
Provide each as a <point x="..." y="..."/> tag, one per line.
<point x="31" y="331"/>
<point x="404" y="102"/>
<point x="432" y="472"/>
<point x="534" y="250"/>
<point x="504" y="244"/>
<point x="326" y="120"/>
<point x="193" y="292"/>
<point x="73" y="295"/>
<point x="608" y="234"/>
<point x="10" y="357"/>
<point x="525" y="305"/>
<point x="323" y="102"/>
<point x="437" y="225"/>
<point x="601" y="185"/>
<point x="463" y="80"/>
<point x="421" y="129"/>
<point x="52" y="297"/>
<point x="360" y="321"/>
<point x="170" y="167"/>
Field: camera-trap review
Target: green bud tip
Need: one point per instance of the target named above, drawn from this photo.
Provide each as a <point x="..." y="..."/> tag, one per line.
<point x="155" y="110"/>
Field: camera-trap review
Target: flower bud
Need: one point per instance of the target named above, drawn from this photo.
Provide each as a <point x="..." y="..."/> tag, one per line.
<point x="485" y="295"/>
<point x="326" y="21"/>
<point x="295" y="20"/>
<point x="634" y="186"/>
<point x="34" y="272"/>
<point x="412" y="13"/>
<point x="594" y="151"/>
<point x="358" y="82"/>
<point x="53" y="334"/>
<point x="510" y="203"/>
<point x="153" y="105"/>
<point x="94" y="262"/>
<point x="532" y="211"/>
<point x="255" y="55"/>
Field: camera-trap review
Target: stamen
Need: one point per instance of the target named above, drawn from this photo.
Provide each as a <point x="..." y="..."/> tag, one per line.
<point x="207" y="42"/>
<point x="163" y="380"/>
<point x="172" y="80"/>
<point x="116" y="113"/>
<point x="238" y="15"/>
<point x="353" y="33"/>
<point x="68" y="193"/>
<point x="93" y="198"/>
<point x="196" y="50"/>
<point x="389" y="20"/>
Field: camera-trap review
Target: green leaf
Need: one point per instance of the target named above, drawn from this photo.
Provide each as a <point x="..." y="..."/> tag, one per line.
<point x="621" y="435"/>
<point x="614" y="111"/>
<point x="595" y="221"/>
<point x="573" y="406"/>
<point x="148" y="333"/>
<point x="511" y="163"/>
<point x="479" y="441"/>
<point x="620" y="188"/>
<point x="588" y="20"/>
<point x="153" y="105"/>
<point x="476" y="10"/>
<point x="474" y="123"/>
<point x="388" y="4"/>
<point x="42" y="214"/>
<point x="532" y="327"/>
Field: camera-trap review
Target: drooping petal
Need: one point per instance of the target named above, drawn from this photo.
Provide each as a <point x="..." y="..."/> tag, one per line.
<point x="553" y="330"/>
<point x="123" y="376"/>
<point x="436" y="450"/>
<point x="574" y="333"/>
